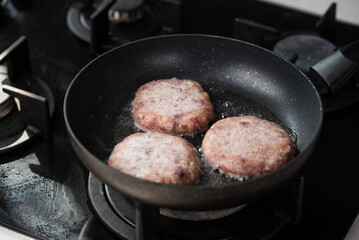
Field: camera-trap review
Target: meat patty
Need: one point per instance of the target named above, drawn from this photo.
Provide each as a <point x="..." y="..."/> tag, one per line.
<point x="157" y="157"/>
<point x="243" y="147"/>
<point x="172" y="106"/>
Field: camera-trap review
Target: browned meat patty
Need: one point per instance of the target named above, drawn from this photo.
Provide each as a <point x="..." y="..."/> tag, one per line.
<point x="172" y="106"/>
<point x="157" y="157"/>
<point x="247" y="146"/>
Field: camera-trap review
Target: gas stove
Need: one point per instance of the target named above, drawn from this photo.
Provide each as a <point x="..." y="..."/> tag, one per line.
<point x="46" y="192"/>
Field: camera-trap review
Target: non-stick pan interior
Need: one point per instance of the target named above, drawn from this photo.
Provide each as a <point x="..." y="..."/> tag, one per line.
<point x="240" y="78"/>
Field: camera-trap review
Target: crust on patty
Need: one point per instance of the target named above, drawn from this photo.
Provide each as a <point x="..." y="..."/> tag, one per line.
<point x="247" y="146"/>
<point x="172" y="106"/>
<point x="157" y="157"/>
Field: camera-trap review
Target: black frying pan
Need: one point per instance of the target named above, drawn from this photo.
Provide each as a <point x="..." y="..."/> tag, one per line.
<point x="241" y="79"/>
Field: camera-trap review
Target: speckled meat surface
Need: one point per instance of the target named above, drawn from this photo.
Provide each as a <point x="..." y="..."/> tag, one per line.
<point x="172" y="106"/>
<point x="157" y="157"/>
<point x="243" y="147"/>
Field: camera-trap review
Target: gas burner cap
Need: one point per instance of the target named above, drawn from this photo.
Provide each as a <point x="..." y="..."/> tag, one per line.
<point x="308" y="49"/>
<point x="126" y="11"/>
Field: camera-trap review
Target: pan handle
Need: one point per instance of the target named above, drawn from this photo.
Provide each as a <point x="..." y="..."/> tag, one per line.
<point x="333" y="72"/>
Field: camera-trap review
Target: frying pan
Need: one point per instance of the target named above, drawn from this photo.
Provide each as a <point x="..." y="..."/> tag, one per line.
<point x="102" y="91"/>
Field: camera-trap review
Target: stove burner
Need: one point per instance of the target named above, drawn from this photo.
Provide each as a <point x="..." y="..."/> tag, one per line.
<point x="30" y="118"/>
<point x="310" y="49"/>
<point x="126" y="11"/>
<point x="12" y="129"/>
<point x="305" y="51"/>
<point x="15" y="129"/>
<point x="121" y="207"/>
<point x="112" y="24"/>
<point x="255" y="221"/>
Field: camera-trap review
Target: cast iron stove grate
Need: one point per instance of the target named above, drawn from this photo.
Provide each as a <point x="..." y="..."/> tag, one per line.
<point x="105" y="24"/>
<point x="35" y="106"/>
<point x="262" y="219"/>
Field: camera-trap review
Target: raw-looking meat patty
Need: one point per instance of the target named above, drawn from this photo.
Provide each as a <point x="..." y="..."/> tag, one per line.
<point x="243" y="147"/>
<point x="157" y="157"/>
<point x="172" y="106"/>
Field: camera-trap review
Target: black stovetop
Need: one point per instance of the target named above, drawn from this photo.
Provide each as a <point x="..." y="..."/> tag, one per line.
<point x="43" y="185"/>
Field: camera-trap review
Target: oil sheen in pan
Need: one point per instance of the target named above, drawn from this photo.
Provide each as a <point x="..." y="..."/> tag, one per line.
<point x="226" y="104"/>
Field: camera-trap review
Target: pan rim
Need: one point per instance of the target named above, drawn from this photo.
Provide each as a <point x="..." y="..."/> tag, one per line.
<point x="209" y="188"/>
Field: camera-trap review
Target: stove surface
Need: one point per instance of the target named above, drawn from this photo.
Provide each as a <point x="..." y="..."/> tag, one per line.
<point x="43" y="185"/>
